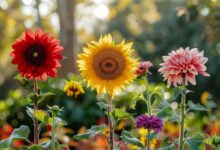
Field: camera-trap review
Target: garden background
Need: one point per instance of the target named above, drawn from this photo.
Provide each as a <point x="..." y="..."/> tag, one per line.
<point x="155" y="26"/>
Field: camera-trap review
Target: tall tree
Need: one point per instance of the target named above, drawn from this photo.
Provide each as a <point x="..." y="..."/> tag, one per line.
<point x="67" y="34"/>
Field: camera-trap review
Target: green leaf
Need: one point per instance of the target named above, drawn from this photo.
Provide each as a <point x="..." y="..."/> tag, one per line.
<point x="136" y="98"/>
<point x="31" y="98"/>
<point x="166" y="112"/>
<point x="194" y="141"/>
<point x="22" y="81"/>
<point x="158" y="93"/>
<point x="102" y="105"/>
<point x="153" y="135"/>
<point x="30" y="112"/>
<point x="35" y="147"/>
<point x="20" y="133"/>
<point x="91" y="132"/>
<point x="45" y="95"/>
<point x="167" y="145"/>
<point x="118" y="114"/>
<point x="59" y="122"/>
<point x="46" y="144"/>
<point x="197" y="106"/>
<point x="129" y="138"/>
<point x="41" y="115"/>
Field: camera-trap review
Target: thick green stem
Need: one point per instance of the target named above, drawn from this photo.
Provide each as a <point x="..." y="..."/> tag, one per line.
<point x="36" y="128"/>
<point x="182" y="117"/>
<point x="148" y="140"/>
<point x="110" y="121"/>
<point x="53" y="131"/>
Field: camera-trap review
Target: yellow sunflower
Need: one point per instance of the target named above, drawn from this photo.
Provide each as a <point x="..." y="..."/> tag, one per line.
<point x="73" y="88"/>
<point x="107" y="66"/>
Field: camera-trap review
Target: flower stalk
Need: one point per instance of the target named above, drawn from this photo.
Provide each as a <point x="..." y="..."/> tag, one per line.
<point x="149" y="112"/>
<point x="148" y="140"/>
<point x="111" y="123"/>
<point x="53" y="130"/>
<point x="182" y="117"/>
<point x="36" y="128"/>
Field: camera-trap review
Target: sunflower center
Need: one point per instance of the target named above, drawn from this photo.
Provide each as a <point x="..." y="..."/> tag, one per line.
<point x="109" y="64"/>
<point x="35" y="55"/>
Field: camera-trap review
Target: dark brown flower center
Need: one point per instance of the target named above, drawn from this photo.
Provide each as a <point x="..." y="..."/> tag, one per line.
<point x="35" y="55"/>
<point x="109" y="64"/>
<point x="73" y="89"/>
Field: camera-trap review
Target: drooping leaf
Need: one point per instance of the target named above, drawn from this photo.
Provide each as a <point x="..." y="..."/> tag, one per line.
<point x="129" y="138"/>
<point x="197" y="106"/>
<point x="136" y="98"/>
<point x="158" y="93"/>
<point x="20" y="133"/>
<point x="91" y="132"/>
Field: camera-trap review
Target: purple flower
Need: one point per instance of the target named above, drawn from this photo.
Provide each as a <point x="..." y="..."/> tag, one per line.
<point x="150" y="122"/>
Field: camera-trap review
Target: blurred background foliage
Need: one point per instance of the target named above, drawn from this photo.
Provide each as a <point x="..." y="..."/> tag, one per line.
<point x="155" y="26"/>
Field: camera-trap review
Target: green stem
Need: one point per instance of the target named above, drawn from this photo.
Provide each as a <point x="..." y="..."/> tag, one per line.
<point x="148" y="97"/>
<point x="182" y="121"/>
<point x="111" y="129"/>
<point x="36" y="128"/>
<point x="53" y="131"/>
<point x="148" y="140"/>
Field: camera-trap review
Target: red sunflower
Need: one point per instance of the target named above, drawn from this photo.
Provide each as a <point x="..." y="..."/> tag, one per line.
<point x="37" y="55"/>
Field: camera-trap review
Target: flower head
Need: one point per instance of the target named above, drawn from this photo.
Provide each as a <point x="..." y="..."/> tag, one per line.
<point x="182" y="66"/>
<point x="107" y="66"/>
<point x="143" y="67"/>
<point x="73" y="88"/>
<point x="149" y="122"/>
<point x="37" y="55"/>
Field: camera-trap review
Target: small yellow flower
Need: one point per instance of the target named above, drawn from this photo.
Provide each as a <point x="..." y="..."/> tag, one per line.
<point x="73" y="88"/>
<point x="204" y="97"/>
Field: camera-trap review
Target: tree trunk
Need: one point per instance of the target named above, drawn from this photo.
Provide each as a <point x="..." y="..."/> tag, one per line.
<point x="67" y="35"/>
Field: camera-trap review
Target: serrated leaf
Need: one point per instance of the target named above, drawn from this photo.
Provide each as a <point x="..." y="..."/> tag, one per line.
<point x="91" y="132"/>
<point x="197" y="106"/>
<point x="41" y="115"/>
<point x="20" y="133"/>
<point x="129" y="138"/>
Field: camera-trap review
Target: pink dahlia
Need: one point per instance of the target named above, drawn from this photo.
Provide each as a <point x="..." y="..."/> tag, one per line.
<point x="183" y="65"/>
<point x="143" y="67"/>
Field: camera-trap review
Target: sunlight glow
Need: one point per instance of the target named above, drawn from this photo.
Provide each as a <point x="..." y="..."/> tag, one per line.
<point x="101" y="11"/>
